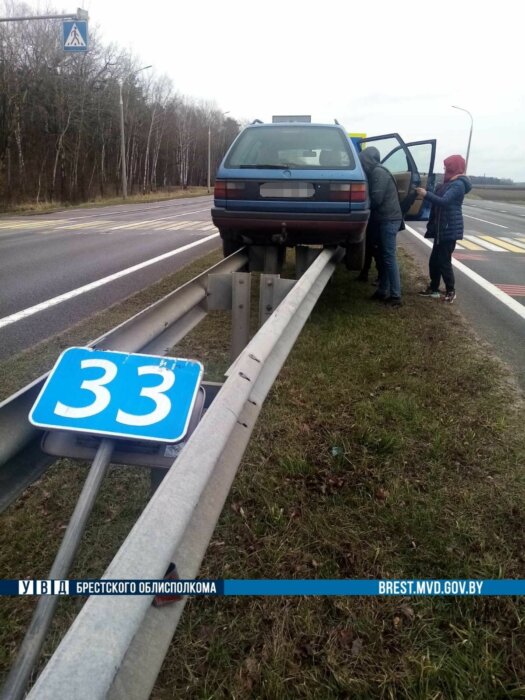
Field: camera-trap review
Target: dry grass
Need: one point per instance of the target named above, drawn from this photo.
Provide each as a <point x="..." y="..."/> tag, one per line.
<point x="512" y="196"/>
<point x="30" y="208"/>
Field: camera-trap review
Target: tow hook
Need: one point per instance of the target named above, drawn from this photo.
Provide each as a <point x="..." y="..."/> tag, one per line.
<point x="280" y="238"/>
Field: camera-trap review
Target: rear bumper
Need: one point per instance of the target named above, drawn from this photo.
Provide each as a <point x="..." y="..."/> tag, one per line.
<point x="295" y="228"/>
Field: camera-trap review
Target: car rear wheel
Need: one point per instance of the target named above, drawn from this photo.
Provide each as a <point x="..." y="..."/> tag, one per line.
<point x="229" y="245"/>
<point x="355" y="256"/>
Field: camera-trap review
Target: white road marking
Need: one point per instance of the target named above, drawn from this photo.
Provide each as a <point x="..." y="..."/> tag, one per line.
<point x="19" y="315"/>
<point x="484" y="221"/>
<point x="514" y="242"/>
<point x="485" y="244"/>
<point x="163" y="218"/>
<point x="509" y="302"/>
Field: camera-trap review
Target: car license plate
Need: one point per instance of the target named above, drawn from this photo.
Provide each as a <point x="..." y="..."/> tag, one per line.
<point x="290" y="190"/>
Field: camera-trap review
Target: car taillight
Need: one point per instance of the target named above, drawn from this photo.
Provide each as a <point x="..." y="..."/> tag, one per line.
<point x="219" y="191"/>
<point x="348" y="192"/>
<point x="358" y="192"/>
<point x="228" y="190"/>
<point x="340" y="192"/>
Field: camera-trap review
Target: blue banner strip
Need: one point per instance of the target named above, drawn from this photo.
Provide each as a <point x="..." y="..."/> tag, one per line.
<point x="167" y="588"/>
<point x="375" y="587"/>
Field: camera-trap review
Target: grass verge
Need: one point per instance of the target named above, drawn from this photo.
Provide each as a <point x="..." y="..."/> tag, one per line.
<point x="511" y="196"/>
<point x="33" y="208"/>
<point x="426" y="481"/>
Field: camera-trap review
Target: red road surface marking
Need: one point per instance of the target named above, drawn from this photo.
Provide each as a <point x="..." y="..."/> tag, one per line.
<point x="514" y="290"/>
<point x="470" y="256"/>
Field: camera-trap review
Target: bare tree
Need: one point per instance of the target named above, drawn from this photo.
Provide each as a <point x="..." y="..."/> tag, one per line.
<point x="59" y="120"/>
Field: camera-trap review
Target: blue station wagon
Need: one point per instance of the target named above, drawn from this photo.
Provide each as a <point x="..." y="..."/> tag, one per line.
<point x="285" y="184"/>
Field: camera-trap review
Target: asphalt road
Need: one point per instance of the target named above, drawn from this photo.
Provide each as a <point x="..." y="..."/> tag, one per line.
<point x="45" y="257"/>
<point x="493" y="298"/>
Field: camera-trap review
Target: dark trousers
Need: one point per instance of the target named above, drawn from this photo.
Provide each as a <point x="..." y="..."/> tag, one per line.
<point x="440" y="265"/>
<point x="372" y="249"/>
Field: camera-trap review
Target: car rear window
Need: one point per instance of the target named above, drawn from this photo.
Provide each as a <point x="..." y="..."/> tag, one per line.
<point x="294" y="147"/>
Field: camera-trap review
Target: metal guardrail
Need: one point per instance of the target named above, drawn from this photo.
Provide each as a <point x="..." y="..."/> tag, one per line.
<point x="153" y="330"/>
<point x="115" y="646"/>
<point x="156" y="330"/>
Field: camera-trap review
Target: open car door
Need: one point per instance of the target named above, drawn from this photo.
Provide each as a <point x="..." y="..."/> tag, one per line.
<point x="411" y="165"/>
<point x="424" y="155"/>
<point x="397" y="158"/>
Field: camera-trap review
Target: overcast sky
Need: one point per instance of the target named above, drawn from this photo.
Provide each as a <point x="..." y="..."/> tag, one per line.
<point x="377" y="66"/>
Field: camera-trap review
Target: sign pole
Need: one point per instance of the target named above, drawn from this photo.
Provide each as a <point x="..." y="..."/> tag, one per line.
<point x="15" y="686"/>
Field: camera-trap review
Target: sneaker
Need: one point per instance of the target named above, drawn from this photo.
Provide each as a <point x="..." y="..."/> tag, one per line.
<point x="429" y="292"/>
<point x="393" y="301"/>
<point x="378" y="296"/>
<point x="449" y="297"/>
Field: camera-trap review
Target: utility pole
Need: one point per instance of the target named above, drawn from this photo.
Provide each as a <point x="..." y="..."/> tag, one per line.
<point x="470" y="134"/>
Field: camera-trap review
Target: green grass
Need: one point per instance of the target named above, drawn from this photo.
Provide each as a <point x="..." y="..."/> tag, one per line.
<point x="391" y="446"/>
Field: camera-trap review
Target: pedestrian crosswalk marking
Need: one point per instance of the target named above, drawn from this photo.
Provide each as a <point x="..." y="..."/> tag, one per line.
<point x="502" y="244"/>
<point x="179" y="224"/>
<point x="470" y="246"/>
<point x="485" y="244"/>
<point x="140" y="224"/>
<point x="87" y="224"/>
<point x="514" y="241"/>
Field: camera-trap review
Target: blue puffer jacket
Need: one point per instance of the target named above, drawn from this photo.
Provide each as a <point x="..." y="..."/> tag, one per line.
<point x="446" y="219"/>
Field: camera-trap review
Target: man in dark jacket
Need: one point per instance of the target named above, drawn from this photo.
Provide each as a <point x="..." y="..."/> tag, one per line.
<point x="385" y="219"/>
<point x="445" y="226"/>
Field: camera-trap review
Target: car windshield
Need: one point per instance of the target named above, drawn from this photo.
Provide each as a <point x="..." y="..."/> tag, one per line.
<point x="294" y="147"/>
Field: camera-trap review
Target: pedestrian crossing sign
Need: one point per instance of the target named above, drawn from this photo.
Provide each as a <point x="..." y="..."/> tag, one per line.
<point x="75" y="35"/>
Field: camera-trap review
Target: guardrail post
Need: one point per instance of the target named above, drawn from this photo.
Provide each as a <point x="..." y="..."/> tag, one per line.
<point x="304" y="257"/>
<point x="241" y="302"/>
<point x="273" y="289"/>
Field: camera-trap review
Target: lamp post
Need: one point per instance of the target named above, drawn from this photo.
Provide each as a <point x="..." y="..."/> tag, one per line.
<point x="123" y="137"/>
<point x="470" y="133"/>
<point x="209" y="151"/>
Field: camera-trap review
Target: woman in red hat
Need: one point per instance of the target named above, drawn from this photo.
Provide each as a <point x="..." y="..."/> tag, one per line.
<point x="445" y="226"/>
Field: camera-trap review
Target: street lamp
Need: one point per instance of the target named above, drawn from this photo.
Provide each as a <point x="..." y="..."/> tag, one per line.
<point x="122" y="135"/>
<point x="470" y="133"/>
<point x="209" y="150"/>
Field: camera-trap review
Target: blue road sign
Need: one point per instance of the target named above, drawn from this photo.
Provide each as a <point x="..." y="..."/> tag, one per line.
<point x="75" y="35"/>
<point x="117" y="394"/>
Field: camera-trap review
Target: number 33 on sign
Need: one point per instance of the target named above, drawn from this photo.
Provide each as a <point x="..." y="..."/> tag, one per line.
<point x="118" y="394"/>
